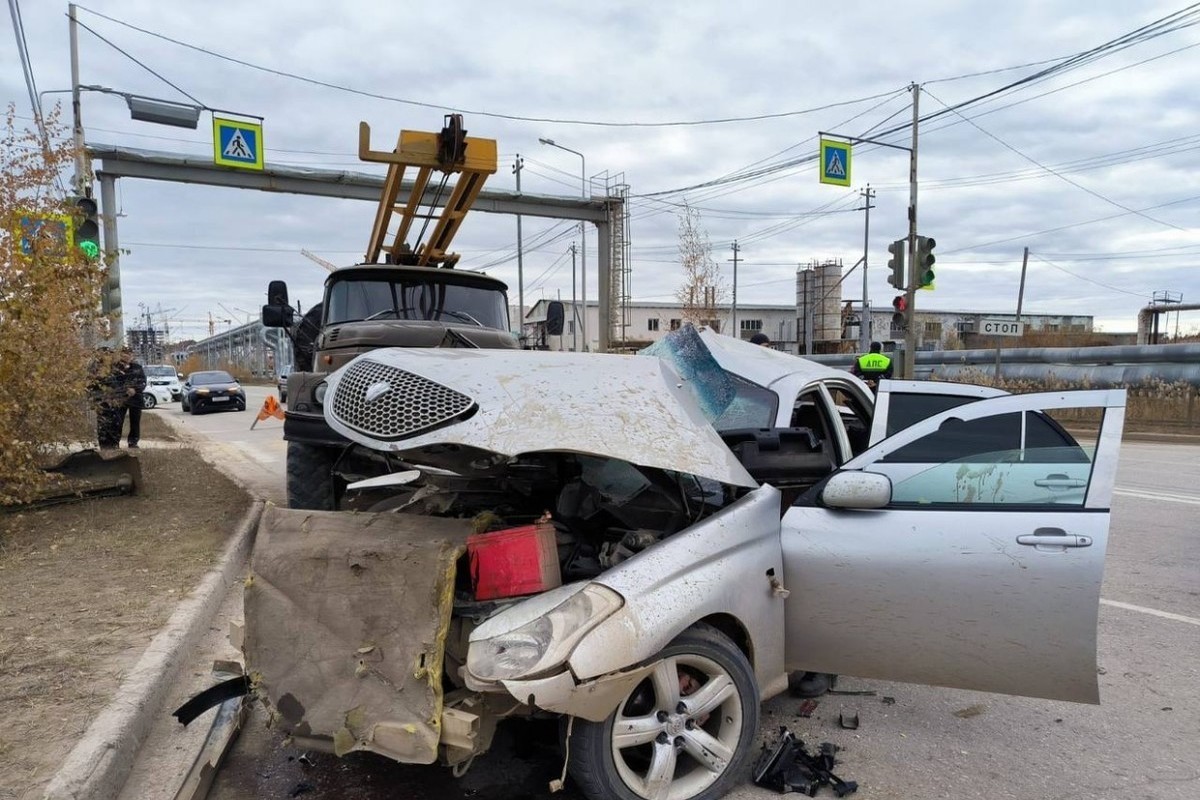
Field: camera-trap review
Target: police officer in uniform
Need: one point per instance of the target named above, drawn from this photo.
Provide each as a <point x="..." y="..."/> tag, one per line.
<point x="873" y="366"/>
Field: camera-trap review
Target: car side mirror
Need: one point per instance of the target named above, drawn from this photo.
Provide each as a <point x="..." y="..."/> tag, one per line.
<point x="857" y="490"/>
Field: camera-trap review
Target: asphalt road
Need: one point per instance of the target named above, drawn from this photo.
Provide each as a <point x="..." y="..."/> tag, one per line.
<point x="913" y="741"/>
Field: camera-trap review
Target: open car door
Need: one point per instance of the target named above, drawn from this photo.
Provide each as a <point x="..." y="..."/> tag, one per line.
<point x="902" y="404"/>
<point x="981" y="570"/>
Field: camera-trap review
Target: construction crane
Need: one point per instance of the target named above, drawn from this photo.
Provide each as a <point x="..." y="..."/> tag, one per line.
<point x="329" y="265"/>
<point x="448" y="152"/>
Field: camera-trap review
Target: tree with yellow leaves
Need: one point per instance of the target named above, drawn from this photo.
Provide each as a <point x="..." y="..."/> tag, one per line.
<point x="49" y="309"/>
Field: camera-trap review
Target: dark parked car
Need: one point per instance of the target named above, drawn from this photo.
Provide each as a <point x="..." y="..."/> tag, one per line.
<point x="213" y="390"/>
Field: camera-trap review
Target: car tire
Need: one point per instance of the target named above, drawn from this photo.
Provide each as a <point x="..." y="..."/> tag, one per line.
<point x="310" y="476"/>
<point x="184" y="407"/>
<point x="706" y="749"/>
<point x="195" y="411"/>
<point x="149" y="400"/>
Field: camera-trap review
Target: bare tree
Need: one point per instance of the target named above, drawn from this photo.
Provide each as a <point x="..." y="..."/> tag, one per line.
<point x="703" y="289"/>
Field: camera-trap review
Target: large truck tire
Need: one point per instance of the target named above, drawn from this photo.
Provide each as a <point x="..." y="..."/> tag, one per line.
<point x="310" y="476"/>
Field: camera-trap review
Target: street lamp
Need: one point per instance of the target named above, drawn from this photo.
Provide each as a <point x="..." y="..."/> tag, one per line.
<point x="582" y="235"/>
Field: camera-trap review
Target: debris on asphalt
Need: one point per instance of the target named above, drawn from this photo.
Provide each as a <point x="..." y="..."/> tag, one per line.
<point x="789" y="767"/>
<point x="848" y="720"/>
<point x="888" y="701"/>
<point x="971" y="711"/>
<point x="807" y="708"/>
<point x="849" y="693"/>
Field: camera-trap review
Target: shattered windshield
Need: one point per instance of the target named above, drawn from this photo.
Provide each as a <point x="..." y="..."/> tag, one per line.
<point x="356" y="300"/>
<point x="728" y="401"/>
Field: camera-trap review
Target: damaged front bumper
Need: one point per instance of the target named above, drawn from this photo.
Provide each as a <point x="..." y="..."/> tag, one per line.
<point x="348" y="617"/>
<point x="346" y="622"/>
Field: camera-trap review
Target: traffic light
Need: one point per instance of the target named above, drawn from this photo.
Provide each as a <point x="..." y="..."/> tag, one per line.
<point x="896" y="263"/>
<point x="899" y="306"/>
<point x="925" y="259"/>
<point x="87" y="228"/>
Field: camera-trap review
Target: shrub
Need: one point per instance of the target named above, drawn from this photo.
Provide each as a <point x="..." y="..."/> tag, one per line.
<point x="49" y="311"/>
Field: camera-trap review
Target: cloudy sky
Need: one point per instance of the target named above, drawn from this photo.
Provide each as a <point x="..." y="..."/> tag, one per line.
<point x="1095" y="168"/>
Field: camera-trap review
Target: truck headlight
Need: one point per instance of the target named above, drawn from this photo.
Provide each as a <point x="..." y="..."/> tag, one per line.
<point x="539" y="633"/>
<point x="319" y="393"/>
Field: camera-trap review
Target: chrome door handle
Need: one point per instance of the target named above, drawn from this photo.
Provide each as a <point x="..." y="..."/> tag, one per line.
<point x="1060" y="481"/>
<point x="1054" y="537"/>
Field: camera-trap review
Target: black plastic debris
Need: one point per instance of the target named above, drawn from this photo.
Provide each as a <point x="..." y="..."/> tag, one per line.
<point x="788" y="766"/>
<point x="211" y="697"/>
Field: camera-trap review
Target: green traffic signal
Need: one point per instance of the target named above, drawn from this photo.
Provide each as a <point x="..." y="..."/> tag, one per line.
<point x="87" y="229"/>
<point x="925" y="261"/>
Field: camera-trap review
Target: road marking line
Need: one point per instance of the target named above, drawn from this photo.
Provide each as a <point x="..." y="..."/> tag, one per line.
<point x="1170" y="498"/>
<point x="1152" y="611"/>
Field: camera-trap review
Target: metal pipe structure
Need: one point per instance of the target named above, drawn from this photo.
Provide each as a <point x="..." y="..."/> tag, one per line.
<point x="1101" y="367"/>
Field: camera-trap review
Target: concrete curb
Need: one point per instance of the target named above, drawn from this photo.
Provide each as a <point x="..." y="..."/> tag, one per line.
<point x="100" y="762"/>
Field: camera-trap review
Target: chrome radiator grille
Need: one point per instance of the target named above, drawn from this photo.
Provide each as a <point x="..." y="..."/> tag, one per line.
<point x="389" y="403"/>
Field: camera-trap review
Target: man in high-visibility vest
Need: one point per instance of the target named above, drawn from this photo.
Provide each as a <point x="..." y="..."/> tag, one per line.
<point x="873" y="366"/>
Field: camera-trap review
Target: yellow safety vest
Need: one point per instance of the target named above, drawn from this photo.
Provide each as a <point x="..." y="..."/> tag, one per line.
<point x="872" y="363"/>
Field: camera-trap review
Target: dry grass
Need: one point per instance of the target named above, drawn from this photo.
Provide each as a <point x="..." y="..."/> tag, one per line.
<point x="83" y="588"/>
<point x="1153" y="405"/>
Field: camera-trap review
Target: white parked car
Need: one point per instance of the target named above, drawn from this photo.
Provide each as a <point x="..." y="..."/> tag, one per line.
<point x="164" y="375"/>
<point x="647" y="546"/>
<point x="154" y="395"/>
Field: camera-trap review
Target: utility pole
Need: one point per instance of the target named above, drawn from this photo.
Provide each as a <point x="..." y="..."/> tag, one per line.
<point x="864" y="325"/>
<point x="733" y="306"/>
<point x="518" y="165"/>
<point x="574" y="308"/>
<point x="910" y="328"/>
<point x="1021" y="291"/>
<point x="82" y="186"/>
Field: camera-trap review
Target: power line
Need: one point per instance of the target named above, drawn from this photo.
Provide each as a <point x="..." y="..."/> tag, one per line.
<point x="139" y="63"/>
<point x="1059" y="175"/>
<point x="1019" y="237"/>
<point x="494" y="115"/>
<point x="1089" y="280"/>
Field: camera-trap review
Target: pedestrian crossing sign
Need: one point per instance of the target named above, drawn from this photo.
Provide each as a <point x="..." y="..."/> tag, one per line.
<point x="835" y="162"/>
<point x="237" y="143"/>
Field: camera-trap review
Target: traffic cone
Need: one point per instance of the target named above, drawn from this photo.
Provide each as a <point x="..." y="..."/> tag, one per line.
<point x="270" y="408"/>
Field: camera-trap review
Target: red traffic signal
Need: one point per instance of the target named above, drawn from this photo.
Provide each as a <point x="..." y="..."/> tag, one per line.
<point x="900" y="303"/>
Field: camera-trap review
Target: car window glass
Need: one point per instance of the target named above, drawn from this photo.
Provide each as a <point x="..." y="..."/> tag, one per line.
<point x="906" y="409"/>
<point x="1050" y="468"/>
<point x="752" y="407"/>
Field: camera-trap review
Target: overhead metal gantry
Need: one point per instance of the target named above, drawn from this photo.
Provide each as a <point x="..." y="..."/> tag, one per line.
<point x="112" y="162"/>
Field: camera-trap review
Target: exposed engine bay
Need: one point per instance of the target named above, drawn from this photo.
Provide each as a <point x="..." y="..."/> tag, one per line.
<point x="602" y="510"/>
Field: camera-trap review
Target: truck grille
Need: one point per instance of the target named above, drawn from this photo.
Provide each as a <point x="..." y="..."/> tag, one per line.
<point x="405" y="404"/>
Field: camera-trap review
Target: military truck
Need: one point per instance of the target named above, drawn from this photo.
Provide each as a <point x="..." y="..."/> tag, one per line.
<point x="404" y="294"/>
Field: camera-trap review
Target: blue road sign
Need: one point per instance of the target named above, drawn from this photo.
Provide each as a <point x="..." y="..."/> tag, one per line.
<point x="237" y="143"/>
<point x="835" y="162"/>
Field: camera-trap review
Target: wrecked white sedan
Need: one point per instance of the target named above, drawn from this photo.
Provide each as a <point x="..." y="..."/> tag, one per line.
<point x="647" y="545"/>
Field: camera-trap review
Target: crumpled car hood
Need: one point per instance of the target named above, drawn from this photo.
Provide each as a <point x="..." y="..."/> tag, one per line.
<point x="632" y="408"/>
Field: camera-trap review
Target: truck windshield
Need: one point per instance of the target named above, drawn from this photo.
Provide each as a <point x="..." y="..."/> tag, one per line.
<point x="353" y="300"/>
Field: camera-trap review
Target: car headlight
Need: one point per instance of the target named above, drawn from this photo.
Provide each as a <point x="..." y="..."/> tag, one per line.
<point x="538" y="634"/>
<point x="319" y="393"/>
<point x="202" y="391"/>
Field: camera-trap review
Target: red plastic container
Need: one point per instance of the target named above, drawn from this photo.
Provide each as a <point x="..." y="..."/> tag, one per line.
<point x="513" y="562"/>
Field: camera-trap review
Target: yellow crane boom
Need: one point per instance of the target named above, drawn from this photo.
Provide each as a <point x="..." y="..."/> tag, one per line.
<point x="449" y="152"/>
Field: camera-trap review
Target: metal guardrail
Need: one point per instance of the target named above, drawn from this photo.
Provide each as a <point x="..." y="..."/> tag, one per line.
<point x="1099" y="367"/>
